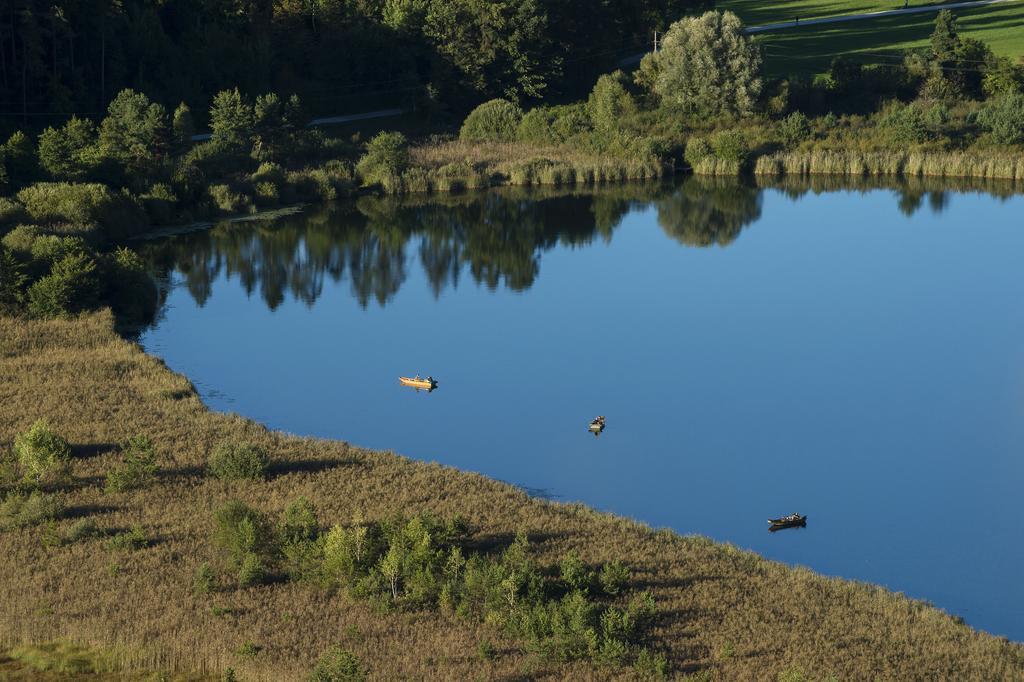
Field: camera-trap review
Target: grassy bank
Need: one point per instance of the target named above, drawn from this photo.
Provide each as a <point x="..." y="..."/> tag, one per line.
<point x="722" y="613"/>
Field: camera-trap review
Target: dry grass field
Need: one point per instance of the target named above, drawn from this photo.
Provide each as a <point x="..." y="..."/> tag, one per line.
<point x="723" y="614"/>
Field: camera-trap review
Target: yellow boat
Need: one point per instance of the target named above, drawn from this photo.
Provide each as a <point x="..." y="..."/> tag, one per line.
<point x="428" y="384"/>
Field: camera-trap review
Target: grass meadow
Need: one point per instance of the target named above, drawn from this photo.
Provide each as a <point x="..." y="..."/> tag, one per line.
<point x="810" y="49"/>
<point x="723" y="613"/>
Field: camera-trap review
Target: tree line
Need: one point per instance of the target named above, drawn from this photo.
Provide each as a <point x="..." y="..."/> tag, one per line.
<point x="64" y="56"/>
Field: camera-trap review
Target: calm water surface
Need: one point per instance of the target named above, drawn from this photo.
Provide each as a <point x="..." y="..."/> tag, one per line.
<point x="857" y="356"/>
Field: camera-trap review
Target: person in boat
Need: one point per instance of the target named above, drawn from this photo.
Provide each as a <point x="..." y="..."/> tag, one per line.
<point x="430" y="380"/>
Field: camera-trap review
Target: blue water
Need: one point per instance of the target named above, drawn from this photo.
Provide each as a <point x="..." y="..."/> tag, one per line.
<point x="840" y="354"/>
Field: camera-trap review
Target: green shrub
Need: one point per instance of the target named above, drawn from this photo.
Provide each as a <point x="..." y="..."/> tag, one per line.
<point x="609" y="102"/>
<point x="19" y="509"/>
<point x="129" y="541"/>
<point x="246" y="539"/>
<point x="697" y="149"/>
<point x="42" y="454"/>
<point x="204" y="580"/>
<point x="159" y="203"/>
<point x="299" y="523"/>
<point x="72" y="287"/>
<point x="83" y="529"/>
<point x="20" y="239"/>
<point x="1004" y="118"/>
<point x="650" y="666"/>
<point x="905" y="123"/>
<point x="236" y="461"/>
<point x="570" y="121"/>
<point x="537" y="126"/>
<point x="20" y="159"/>
<point x="12" y="283"/>
<point x="386" y="158"/>
<point x="228" y="200"/>
<point x="338" y="665"/>
<point x="614" y="577"/>
<point x="11" y="212"/>
<point x="575" y="573"/>
<point x="731" y="146"/>
<point x="83" y="206"/>
<point x="496" y="120"/>
<point x="794" y="129"/>
<point x="138" y="468"/>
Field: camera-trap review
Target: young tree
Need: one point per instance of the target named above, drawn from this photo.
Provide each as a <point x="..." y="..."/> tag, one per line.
<point x="68" y="153"/>
<point x="610" y="102"/>
<point x="20" y="160"/>
<point x="12" y="283"/>
<point x="945" y="39"/>
<point x="135" y="133"/>
<point x="231" y="120"/>
<point x="706" y="66"/>
<point x="183" y="127"/>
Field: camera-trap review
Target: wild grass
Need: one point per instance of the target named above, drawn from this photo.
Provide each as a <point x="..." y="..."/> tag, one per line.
<point x="900" y="163"/>
<point x="711" y="597"/>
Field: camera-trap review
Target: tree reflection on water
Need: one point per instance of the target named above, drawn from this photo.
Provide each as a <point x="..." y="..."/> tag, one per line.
<point x="495" y="237"/>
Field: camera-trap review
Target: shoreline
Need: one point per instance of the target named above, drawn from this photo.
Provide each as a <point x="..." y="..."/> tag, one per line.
<point x="865" y="630"/>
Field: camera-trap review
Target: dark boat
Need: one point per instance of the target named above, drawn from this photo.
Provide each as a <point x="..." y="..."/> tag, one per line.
<point x="791" y="521"/>
<point x="596" y="425"/>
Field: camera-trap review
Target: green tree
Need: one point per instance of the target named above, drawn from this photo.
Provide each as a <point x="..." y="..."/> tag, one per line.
<point x="231" y="120"/>
<point x="945" y="40"/>
<point x="706" y="66"/>
<point x="20" y="159"/>
<point x="609" y="102"/>
<point x="42" y="454"/>
<point x="135" y="133"/>
<point x="68" y="152"/>
<point x="71" y="287"/>
<point x="338" y="665"/>
<point x="386" y="158"/>
<point x="12" y="283"/>
<point x="183" y="126"/>
<point x="1001" y="77"/>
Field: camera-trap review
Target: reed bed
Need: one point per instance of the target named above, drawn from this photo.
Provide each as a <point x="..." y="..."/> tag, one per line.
<point x="97" y="389"/>
<point x="899" y="163"/>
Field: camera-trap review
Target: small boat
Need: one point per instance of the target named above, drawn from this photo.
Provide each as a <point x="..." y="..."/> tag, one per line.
<point x="596" y="425"/>
<point x="428" y="384"/>
<point x="791" y="521"/>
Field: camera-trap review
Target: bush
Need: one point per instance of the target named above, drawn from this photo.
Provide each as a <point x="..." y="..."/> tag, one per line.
<point x="159" y="203"/>
<point x="129" y="541"/>
<point x="338" y="665"/>
<point x="794" y="129"/>
<point x="12" y="283"/>
<point x="537" y="126"/>
<point x="20" y="239"/>
<point x="1004" y="118"/>
<point x="83" y="529"/>
<point x="386" y="158"/>
<point x="496" y="120"/>
<point x="247" y="540"/>
<point x="610" y="102"/>
<point x="42" y="454"/>
<point x="204" y="580"/>
<point x="84" y="206"/>
<point x="71" y="287"/>
<point x="575" y="573"/>
<point x="138" y="468"/>
<point x="233" y="462"/>
<point x="228" y="200"/>
<point x="614" y="577"/>
<point x="11" y="212"/>
<point x="730" y="145"/>
<point x="905" y="122"/>
<point x="697" y="149"/>
<point x="19" y="510"/>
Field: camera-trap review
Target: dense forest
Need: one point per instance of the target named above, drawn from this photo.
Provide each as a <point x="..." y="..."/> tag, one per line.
<point x="74" y="56"/>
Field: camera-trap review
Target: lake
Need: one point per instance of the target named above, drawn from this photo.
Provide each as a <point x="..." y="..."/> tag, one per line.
<point x="855" y="354"/>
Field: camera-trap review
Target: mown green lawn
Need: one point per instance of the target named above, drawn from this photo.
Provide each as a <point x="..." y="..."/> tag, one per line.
<point x="810" y="49"/>
<point x="757" y="12"/>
